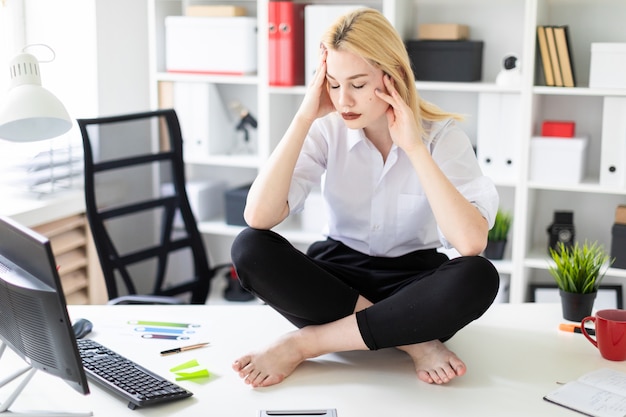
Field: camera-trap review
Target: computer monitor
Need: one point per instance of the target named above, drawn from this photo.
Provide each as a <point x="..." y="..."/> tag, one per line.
<point x="33" y="314"/>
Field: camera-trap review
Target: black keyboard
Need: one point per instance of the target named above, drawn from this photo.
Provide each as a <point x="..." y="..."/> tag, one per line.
<point x="126" y="378"/>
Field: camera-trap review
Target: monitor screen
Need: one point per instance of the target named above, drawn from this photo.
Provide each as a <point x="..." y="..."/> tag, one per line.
<point x="33" y="315"/>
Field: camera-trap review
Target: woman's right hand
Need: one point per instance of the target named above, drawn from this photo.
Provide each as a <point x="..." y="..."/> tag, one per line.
<point x="267" y="203"/>
<point x="316" y="102"/>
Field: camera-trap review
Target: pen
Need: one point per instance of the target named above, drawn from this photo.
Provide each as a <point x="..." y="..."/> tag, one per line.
<point x="575" y="329"/>
<point x="182" y="349"/>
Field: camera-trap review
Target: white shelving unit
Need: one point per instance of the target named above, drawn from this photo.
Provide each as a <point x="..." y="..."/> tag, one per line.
<point x="505" y="26"/>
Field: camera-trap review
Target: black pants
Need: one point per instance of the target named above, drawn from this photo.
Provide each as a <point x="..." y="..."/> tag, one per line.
<point x="417" y="297"/>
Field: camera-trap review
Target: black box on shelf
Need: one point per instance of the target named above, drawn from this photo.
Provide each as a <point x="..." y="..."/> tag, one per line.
<point x="235" y="201"/>
<point x="618" y="245"/>
<point x="446" y="60"/>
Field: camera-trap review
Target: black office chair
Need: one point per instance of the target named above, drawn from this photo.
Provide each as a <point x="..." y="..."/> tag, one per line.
<point x="143" y="227"/>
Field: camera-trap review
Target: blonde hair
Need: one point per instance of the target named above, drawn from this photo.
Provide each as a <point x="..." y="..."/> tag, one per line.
<point x="367" y="33"/>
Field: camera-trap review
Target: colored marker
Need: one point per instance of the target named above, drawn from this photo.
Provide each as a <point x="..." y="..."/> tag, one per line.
<point x="575" y="328"/>
<point x="164" y="336"/>
<point x="162" y="324"/>
<point x="163" y="330"/>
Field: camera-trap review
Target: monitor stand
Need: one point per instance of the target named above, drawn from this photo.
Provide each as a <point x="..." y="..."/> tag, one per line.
<point x="30" y="372"/>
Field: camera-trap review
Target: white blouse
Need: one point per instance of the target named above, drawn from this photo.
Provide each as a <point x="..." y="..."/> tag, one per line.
<point x="380" y="209"/>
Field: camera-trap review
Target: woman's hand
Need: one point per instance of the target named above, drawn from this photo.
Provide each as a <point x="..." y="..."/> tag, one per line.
<point x="400" y="118"/>
<point x="460" y="222"/>
<point x="316" y="102"/>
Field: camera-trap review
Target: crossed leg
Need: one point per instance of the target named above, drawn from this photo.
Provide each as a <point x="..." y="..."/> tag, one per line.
<point x="457" y="292"/>
<point x="433" y="362"/>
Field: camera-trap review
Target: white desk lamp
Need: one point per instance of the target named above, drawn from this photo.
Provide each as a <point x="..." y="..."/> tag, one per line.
<point x="30" y="112"/>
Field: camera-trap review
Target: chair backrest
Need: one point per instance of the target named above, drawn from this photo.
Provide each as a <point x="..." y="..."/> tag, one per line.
<point x="144" y="230"/>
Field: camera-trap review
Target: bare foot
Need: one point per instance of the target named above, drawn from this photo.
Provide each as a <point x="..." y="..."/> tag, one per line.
<point x="434" y="363"/>
<point x="273" y="364"/>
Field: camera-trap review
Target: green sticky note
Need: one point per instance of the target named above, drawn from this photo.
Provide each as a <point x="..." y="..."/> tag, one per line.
<point x="191" y="375"/>
<point x="186" y="365"/>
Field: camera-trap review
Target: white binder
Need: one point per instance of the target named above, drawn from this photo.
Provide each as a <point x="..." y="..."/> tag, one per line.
<point x="317" y="18"/>
<point x="204" y="121"/>
<point x="498" y="135"/>
<point x="613" y="154"/>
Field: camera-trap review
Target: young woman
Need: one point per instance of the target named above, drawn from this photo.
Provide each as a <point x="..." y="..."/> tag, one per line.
<point x="400" y="179"/>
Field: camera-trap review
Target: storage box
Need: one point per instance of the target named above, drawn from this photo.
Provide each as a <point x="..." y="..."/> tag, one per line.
<point x="219" y="10"/>
<point x="206" y="199"/>
<point x="442" y="32"/>
<point x="557" y="160"/>
<point x="211" y="45"/>
<point x="446" y="60"/>
<point x="561" y="129"/>
<point x="235" y="204"/>
<point x="618" y="245"/>
<point x="608" y="65"/>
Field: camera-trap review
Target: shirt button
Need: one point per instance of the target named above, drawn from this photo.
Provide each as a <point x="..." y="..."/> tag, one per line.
<point x="376" y="227"/>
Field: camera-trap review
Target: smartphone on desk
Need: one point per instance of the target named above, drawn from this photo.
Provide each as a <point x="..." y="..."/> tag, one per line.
<point x="330" y="412"/>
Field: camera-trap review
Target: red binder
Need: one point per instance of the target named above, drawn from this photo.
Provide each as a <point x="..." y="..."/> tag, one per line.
<point x="286" y="43"/>
<point x="272" y="29"/>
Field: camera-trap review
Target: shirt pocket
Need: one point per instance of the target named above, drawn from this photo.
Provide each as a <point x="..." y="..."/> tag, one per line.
<point x="415" y="221"/>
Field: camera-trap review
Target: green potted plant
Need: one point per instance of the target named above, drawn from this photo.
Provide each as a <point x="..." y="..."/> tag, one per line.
<point x="578" y="271"/>
<point x="498" y="234"/>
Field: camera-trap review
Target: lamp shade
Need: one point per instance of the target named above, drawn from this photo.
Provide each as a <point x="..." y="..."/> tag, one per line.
<point x="30" y="112"/>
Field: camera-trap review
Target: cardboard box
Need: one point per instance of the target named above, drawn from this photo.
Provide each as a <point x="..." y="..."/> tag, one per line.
<point x="443" y="32"/>
<point x="608" y="65"/>
<point x="620" y="214"/>
<point x="446" y="60"/>
<point x="235" y="204"/>
<point x="557" y="160"/>
<point x="215" y="11"/>
<point x="211" y="45"/>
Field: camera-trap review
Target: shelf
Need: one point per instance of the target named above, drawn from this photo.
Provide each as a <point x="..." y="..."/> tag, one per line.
<point x="589" y="185"/>
<point x="538" y="258"/>
<point x="241" y="161"/>
<point x="460" y="87"/>
<point x="207" y="78"/>
<point x="297" y="90"/>
<point x="75" y="256"/>
<point x="506" y="27"/>
<point x="504" y="266"/>
<point x="290" y="232"/>
<point x="579" y="91"/>
<point x="69" y="240"/>
<point x="473" y="87"/>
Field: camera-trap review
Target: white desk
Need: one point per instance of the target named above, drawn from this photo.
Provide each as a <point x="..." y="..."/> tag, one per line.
<point x="32" y="210"/>
<point x="514" y="354"/>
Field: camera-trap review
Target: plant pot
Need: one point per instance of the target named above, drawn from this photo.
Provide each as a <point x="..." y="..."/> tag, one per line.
<point x="576" y="306"/>
<point x="495" y="249"/>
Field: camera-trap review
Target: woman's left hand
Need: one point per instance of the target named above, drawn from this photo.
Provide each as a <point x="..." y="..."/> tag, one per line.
<point x="400" y="118"/>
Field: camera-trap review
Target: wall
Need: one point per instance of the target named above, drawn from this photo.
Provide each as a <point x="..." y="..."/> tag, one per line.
<point x="101" y="63"/>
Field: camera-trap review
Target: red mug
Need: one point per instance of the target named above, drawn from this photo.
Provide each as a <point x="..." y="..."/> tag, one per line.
<point x="610" y="326"/>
